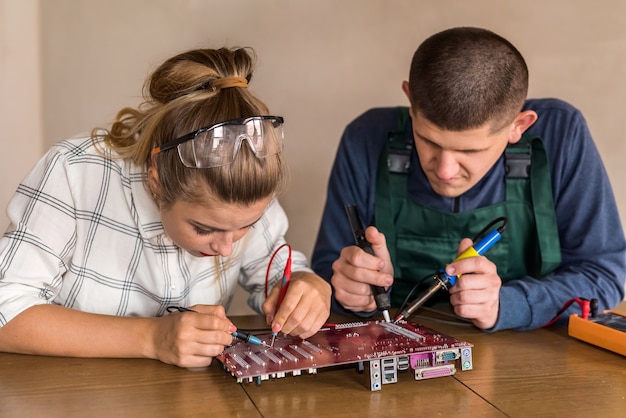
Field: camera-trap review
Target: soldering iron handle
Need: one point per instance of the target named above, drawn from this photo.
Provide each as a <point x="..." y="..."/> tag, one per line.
<point x="475" y="250"/>
<point x="487" y="242"/>
<point x="380" y="294"/>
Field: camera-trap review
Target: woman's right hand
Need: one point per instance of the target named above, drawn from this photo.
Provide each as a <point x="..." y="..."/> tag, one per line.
<point x="192" y="339"/>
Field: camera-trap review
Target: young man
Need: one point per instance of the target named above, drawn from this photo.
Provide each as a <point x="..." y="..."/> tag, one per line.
<point x="469" y="150"/>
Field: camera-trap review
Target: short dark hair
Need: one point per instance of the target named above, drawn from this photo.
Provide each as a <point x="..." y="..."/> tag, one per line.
<point x="463" y="78"/>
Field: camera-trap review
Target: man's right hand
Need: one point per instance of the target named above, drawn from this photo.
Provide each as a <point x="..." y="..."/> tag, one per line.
<point x="355" y="271"/>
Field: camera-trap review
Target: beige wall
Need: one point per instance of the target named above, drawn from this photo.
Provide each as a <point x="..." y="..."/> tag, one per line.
<point x="320" y="64"/>
<point x="21" y="125"/>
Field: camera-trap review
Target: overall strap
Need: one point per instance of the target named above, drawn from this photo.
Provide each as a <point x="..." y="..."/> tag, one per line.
<point x="392" y="168"/>
<point x="518" y="165"/>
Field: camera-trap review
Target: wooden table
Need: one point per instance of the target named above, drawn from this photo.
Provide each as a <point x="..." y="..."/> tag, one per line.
<point x="516" y="374"/>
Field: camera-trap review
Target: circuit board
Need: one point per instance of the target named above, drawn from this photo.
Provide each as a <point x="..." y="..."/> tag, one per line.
<point x="385" y="346"/>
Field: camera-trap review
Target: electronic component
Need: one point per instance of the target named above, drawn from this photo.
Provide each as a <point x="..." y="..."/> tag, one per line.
<point x="375" y="381"/>
<point x="388" y="348"/>
<point x="389" y="370"/>
<point x="606" y="330"/>
<point x="436" y="371"/>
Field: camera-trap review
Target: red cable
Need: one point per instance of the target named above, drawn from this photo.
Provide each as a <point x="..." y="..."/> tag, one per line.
<point x="285" y="283"/>
<point x="286" y="272"/>
<point x="584" y="307"/>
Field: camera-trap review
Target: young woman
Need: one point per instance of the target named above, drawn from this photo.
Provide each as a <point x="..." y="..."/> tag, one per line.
<point x="172" y="206"/>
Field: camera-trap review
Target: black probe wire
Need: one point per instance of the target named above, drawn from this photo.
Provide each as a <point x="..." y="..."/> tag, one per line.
<point x="254" y="330"/>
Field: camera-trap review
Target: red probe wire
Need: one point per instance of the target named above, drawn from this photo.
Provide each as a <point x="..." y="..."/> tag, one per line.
<point x="286" y="275"/>
<point x="586" y="307"/>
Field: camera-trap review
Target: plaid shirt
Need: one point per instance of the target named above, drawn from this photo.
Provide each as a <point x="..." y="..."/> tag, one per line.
<point x="85" y="234"/>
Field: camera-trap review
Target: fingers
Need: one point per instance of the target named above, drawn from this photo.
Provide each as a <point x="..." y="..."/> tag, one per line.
<point x="269" y="306"/>
<point x="464" y="245"/>
<point x="476" y="293"/>
<point x="306" y="306"/>
<point x="352" y="295"/>
<point x="354" y="258"/>
<point x="355" y="271"/>
<point x="480" y="265"/>
<point x="379" y="245"/>
<point x="215" y="310"/>
<point x="192" y="339"/>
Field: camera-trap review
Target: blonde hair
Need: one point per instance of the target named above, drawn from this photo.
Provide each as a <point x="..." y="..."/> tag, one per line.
<point x="182" y="95"/>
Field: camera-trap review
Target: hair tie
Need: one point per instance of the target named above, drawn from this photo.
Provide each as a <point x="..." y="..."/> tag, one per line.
<point x="226" y="82"/>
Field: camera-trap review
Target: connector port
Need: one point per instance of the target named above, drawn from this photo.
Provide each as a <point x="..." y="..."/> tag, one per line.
<point x="403" y="363"/>
<point x="436" y="371"/>
<point x="448" y="355"/>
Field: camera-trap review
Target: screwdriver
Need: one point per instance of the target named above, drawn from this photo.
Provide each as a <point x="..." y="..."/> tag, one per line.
<point x="380" y="294"/>
<point x="444" y="280"/>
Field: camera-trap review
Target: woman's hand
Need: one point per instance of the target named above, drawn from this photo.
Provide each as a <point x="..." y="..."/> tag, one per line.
<point x="305" y="308"/>
<point x="192" y="339"/>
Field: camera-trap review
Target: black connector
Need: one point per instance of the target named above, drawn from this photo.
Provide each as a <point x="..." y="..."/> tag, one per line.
<point x="593" y="308"/>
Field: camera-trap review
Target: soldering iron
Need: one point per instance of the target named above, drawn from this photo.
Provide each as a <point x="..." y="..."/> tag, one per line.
<point x="380" y="294"/>
<point x="442" y="280"/>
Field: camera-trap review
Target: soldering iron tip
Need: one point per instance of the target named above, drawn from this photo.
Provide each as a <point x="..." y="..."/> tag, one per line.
<point x="386" y="316"/>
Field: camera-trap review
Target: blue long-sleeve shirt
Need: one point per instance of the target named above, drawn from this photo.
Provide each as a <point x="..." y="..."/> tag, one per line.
<point x="592" y="240"/>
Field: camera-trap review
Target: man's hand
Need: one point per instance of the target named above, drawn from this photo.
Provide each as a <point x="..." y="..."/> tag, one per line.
<point x="475" y="295"/>
<point x="355" y="271"/>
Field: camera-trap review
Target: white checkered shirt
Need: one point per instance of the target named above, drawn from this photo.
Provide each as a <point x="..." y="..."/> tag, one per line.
<point x="85" y="234"/>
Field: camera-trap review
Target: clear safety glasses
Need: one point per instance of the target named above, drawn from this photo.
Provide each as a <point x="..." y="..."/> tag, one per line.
<point x="217" y="145"/>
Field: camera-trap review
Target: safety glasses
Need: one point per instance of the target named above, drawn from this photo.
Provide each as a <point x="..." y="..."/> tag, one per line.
<point x="217" y="145"/>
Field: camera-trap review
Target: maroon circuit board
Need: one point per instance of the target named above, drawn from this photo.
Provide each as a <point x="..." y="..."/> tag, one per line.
<point x="423" y="349"/>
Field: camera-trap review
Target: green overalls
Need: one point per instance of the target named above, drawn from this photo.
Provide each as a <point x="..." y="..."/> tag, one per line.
<point x="422" y="240"/>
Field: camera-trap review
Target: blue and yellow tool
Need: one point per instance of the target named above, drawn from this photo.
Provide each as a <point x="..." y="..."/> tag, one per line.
<point x="442" y="280"/>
